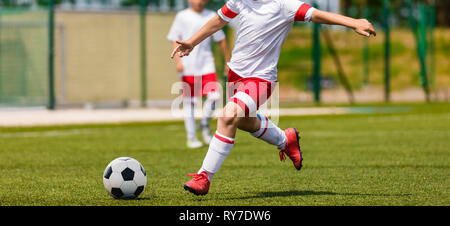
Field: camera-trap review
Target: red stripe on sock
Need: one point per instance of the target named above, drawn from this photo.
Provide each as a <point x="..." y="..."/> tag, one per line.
<point x="265" y="128"/>
<point x="223" y="139"/>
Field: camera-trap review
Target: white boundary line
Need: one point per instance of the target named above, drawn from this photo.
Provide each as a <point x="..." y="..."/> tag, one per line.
<point x="43" y="117"/>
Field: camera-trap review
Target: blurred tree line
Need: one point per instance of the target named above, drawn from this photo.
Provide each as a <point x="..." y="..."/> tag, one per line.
<point x="356" y="8"/>
<point x="213" y="4"/>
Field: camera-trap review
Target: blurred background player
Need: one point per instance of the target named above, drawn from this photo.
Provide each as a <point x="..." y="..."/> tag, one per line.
<point x="262" y="28"/>
<point x="197" y="71"/>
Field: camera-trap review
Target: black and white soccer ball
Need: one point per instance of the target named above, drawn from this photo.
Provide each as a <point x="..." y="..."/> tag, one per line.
<point x="124" y="178"/>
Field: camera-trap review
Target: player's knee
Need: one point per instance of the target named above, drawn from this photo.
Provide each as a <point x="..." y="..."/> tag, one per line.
<point x="229" y="121"/>
<point x="232" y="114"/>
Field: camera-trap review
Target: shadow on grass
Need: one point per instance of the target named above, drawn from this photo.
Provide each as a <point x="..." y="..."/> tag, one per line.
<point x="143" y="199"/>
<point x="133" y="199"/>
<point x="309" y="193"/>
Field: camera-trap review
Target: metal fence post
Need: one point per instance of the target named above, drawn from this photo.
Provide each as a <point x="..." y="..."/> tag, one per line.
<point x="316" y="61"/>
<point x="51" y="55"/>
<point x="419" y="32"/>
<point x="432" y="46"/>
<point x="366" y="52"/>
<point x="143" y="37"/>
<point x="423" y="49"/>
<point x="1" y="57"/>
<point x="387" y="50"/>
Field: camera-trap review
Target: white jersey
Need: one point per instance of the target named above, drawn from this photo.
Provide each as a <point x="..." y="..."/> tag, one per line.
<point x="262" y="28"/>
<point x="187" y="22"/>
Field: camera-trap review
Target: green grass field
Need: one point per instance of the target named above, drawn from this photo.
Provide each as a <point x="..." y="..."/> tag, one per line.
<point x="361" y="159"/>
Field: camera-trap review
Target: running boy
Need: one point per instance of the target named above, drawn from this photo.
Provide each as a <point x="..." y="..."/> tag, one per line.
<point x="198" y="72"/>
<point x="263" y="26"/>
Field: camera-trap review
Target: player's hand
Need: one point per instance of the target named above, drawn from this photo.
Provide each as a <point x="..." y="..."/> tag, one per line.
<point x="364" y="28"/>
<point x="184" y="48"/>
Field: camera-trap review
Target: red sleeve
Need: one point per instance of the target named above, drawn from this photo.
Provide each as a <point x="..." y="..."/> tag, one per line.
<point x="227" y="12"/>
<point x="301" y="12"/>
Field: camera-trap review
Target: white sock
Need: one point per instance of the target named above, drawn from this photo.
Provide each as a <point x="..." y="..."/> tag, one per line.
<point x="189" y="119"/>
<point x="270" y="133"/>
<point x="209" y="107"/>
<point x="218" y="150"/>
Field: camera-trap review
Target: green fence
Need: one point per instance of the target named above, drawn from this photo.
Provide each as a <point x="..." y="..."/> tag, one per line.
<point x="407" y="17"/>
<point x="114" y="53"/>
<point x="84" y="53"/>
<point x="23" y="57"/>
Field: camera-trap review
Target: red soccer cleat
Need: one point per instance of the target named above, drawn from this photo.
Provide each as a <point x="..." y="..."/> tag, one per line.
<point x="292" y="148"/>
<point x="199" y="185"/>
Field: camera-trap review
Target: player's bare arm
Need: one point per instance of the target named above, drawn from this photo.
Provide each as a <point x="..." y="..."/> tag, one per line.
<point x="226" y="53"/>
<point x="178" y="64"/>
<point x="360" y="26"/>
<point x="184" y="48"/>
<point x="225" y="50"/>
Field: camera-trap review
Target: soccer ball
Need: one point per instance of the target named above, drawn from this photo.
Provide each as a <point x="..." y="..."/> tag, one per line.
<point x="124" y="178"/>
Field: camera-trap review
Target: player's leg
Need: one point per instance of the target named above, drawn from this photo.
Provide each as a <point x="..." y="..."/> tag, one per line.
<point x="219" y="148"/>
<point x="209" y="89"/>
<point x="208" y="110"/>
<point x="189" y="123"/>
<point x="287" y="141"/>
<point x="267" y="131"/>
<point x="189" y="112"/>
<point x="262" y="128"/>
<point x="251" y="96"/>
<point x="236" y="114"/>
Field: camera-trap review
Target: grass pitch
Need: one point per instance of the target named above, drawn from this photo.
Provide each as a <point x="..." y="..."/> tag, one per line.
<point x="363" y="159"/>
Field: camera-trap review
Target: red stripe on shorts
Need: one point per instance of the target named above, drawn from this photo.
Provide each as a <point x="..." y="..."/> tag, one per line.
<point x="241" y="104"/>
